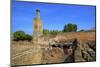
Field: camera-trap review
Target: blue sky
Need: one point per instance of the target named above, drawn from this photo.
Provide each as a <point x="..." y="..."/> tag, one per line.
<point x="54" y="16"/>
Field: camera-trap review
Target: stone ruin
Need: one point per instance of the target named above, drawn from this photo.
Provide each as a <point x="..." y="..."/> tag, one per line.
<point x="44" y="50"/>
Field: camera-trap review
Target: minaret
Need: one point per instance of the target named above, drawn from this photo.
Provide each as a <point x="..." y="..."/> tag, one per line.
<point x="38" y="29"/>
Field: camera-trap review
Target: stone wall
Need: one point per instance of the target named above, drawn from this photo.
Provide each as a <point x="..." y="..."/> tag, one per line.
<point x="42" y="52"/>
<point x="82" y="36"/>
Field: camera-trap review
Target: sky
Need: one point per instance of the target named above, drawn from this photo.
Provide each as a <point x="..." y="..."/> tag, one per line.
<point x="53" y="16"/>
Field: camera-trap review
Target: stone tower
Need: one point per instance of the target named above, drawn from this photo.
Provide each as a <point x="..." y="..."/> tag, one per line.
<point x="38" y="26"/>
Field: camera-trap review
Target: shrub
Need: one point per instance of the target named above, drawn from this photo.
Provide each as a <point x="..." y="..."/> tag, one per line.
<point x="20" y="35"/>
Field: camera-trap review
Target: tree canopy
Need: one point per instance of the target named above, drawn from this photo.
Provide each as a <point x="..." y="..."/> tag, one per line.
<point x="20" y="35"/>
<point x="70" y="28"/>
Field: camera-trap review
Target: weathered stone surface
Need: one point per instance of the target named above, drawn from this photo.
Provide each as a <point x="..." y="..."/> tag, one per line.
<point x="85" y="52"/>
<point x="92" y="45"/>
<point x="43" y="52"/>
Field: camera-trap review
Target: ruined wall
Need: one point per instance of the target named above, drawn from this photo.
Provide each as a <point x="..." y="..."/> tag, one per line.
<point x="82" y="36"/>
<point x="24" y="52"/>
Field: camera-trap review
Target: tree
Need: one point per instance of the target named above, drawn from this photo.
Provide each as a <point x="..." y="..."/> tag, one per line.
<point x="70" y="28"/>
<point x="45" y="31"/>
<point x="54" y="32"/>
<point x="28" y="37"/>
<point x="20" y="35"/>
<point x="82" y="30"/>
